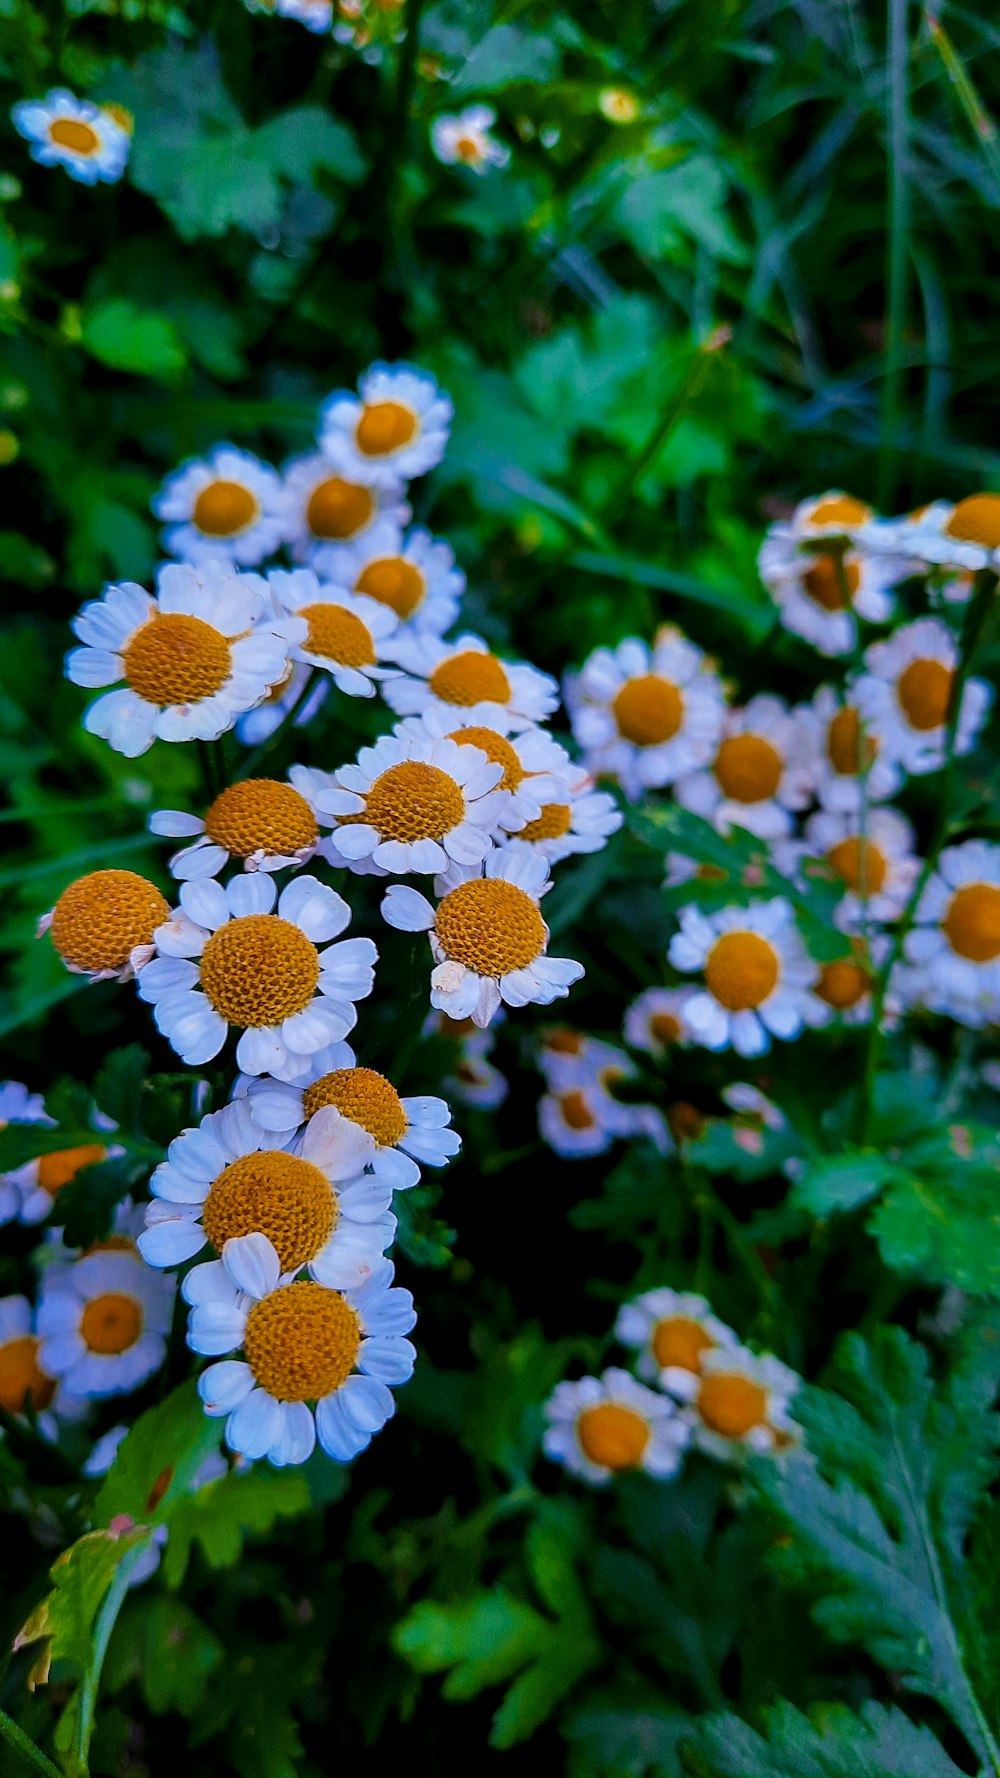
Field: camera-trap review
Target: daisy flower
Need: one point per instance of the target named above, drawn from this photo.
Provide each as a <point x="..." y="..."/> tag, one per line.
<point x="38" y="1182"/>
<point x="316" y="1362"/>
<point x="963" y="536"/>
<point x="346" y="634"/>
<point x="226" y="959"/>
<point x="103" y="924"/>
<point x="413" y="806"/>
<point x="534" y="765"/>
<point x="672" y="1330"/>
<point x="645" y="716"/>
<point x="844" y="987"/>
<point x="226" y="507"/>
<point x="103" y="1322"/>
<point x="759" y="774"/>
<point x="395" y="428"/>
<point x="656" y="1021"/>
<point x="413" y="573"/>
<point x="737" y="1405"/>
<point x="487" y="937"/>
<point x="193" y="658"/>
<point x="757" y="975"/>
<point x="229" y="1178"/>
<point x="872" y="854"/>
<point x="821" y="595"/>
<point x="833" y="515"/>
<point x="264" y="824"/>
<point x="600" y="1426"/>
<point x="904" y="696"/>
<point x="24" y="1384"/>
<point x="955" y="941"/>
<point x="463" y="139"/>
<point x="580" y="1114"/>
<point x="325" y="511"/>
<point x="17" y="1106"/>
<point x="579" y="819"/>
<point x="127" y="1224"/>
<point x="72" y="133"/>
<point x="468" y="682"/>
<point x="849" y="768"/>
<point x="473" y="1079"/>
<point x="402" y="1130"/>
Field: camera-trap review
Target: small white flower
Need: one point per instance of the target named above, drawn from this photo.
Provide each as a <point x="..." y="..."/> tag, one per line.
<point x="317" y="1363"/>
<point x="473" y="1079"/>
<point x="821" y="594"/>
<point x="24" y="1381"/>
<point x="871" y="852"/>
<point x="578" y="819"/>
<point x="264" y="824"/>
<point x="411" y="572"/>
<point x="833" y="514"/>
<point x="68" y="132"/>
<point x="226" y="507"/>
<point x="646" y="716"/>
<point x="38" y="1182"/>
<point x="738" y="1404"/>
<point x="323" y="510"/>
<point x="346" y="635"/>
<point x="580" y="1114"/>
<point x="850" y="770"/>
<point x="656" y="1021"/>
<point x="844" y="987"/>
<point x="955" y="941"/>
<point x="905" y="694"/>
<point x="962" y="537"/>
<point x="17" y="1106"/>
<point x="399" y="1131"/>
<point x="760" y="772"/>
<point x="672" y="1330"/>
<point x="487" y="937"/>
<point x="463" y="139"/>
<point x="602" y="1426"/>
<point x="395" y="428"/>
<point x="226" y="959"/>
<point x="103" y="1323"/>
<point x="757" y="975"/>
<point x="468" y="682"/>
<point x="534" y="765"/>
<point x="193" y="658"/>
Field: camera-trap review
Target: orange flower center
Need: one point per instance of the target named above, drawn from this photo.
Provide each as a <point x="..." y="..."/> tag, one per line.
<point x="56" y="1170"/>
<point x="363" y="1095"/>
<point x="225" y="509"/>
<point x="977" y="520"/>
<point x="301" y="1342"/>
<point x="491" y="926"/>
<point x="469" y="150"/>
<point x="861" y="864"/>
<point x="336" y="634"/>
<point x="111" y="1323"/>
<point x="497" y="749"/>
<point x="685" y="1121"/>
<point x="924" y="693"/>
<point x="258" y="970"/>
<point x="848" y="750"/>
<point x="278" y="1195"/>
<point x="469" y="678"/>
<point x="69" y="132"/>
<point x="842" y="984"/>
<point x="175" y="659"/>
<point x="648" y="710"/>
<point x="678" y="1342"/>
<point x="742" y="970"/>
<point x="384" y="427"/>
<point x="832" y="583"/>
<point x="576" y="1113"/>
<point x="664" y="1027"/>
<point x="612" y="1436"/>
<point x="564" y="1042"/>
<point x="840" y="509"/>
<point x="261" y="815"/>
<point x="731" y="1404"/>
<point x="337" y="509"/>
<point x="972" y="922"/>
<point x="747" y="768"/>
<point x="551" y="824"/>
<point x="414" y="801"/>
<point x="21" y="1377"/>
<point x="395" y="582"/>
<point x="100" y="919"/>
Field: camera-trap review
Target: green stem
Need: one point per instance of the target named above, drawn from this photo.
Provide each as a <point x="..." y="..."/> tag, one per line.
<point x="673" y="413"/>
<point x="32" y="1755"/>
<point x="107" y="1617"/>
<point x="898" y="251"/>
<point x="980" y="121"/>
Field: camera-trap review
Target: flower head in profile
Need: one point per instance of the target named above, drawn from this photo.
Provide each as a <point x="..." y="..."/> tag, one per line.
<point x="230" y="959"/>
<point x="905" y="696"/>
<point x="960" y="537"/>
<point x="850" y="769"/>
<point x="347" y="634"/>
<point x="103" y="1322"/>
<point x="103" y="924"/>
<point x="738" y="1403"/>
<point x="327" y="511"/>
<point x="656" y="1022"/>
<point x="395" y="428"/>
<point x="672" y="1331"/>
<point x="411" y="572"/>
<point x="759" y="773"/>
<point x="316" y="1364"/>
<point x="603" y="1426"/>
<point x="468" y="683"/>
<point x="190" y="660"/>
<point x="646" y="716"/>
<point x="757" y="975"/>
<point x="64" y="131"/>
<point x="463" y="139"/>
<point x="954" y="945"/>
<point x="226" y="507"/>
<point x="821" y="593"/>
<point x="260" y="822"/>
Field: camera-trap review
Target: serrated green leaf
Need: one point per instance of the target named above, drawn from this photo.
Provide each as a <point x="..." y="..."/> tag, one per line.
<point x="219" y="1515"/>
<point x="611" y="1736"/>
<point x="506" y="54"/>
<point x="662" y="209"/>
<point x="943" y="1227"/>
<point x="842" y="1182"/>
<point x="160" y="1642"/>
<point x="832" y="1742"/>
<point x="156" y="1465"/>
<point x="478" y="1641"/>
<point x="64" y="1621"/>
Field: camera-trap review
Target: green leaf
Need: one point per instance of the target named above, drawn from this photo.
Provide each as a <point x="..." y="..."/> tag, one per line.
<point x="125" y="337"/>
<point x="659" y="211"/>
<point x="832" y="1742"/>
<point x="120" y="1084"/>
<point x="505" y="55"/>
<point x="945" y="1227"/>
<point x="64" y="1621"/>
<point x="84" y="1207"/>
<point x="221" y="1513"/>
<point x="161" y="1643"/>
<point x="611" y="1736"/>
<point x="842" y="1182"/>
<point x="156" y="1465"/>
<point x="478" y="1641"/>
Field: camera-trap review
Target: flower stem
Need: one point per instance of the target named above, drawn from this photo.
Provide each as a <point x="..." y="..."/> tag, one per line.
<point x="691" y="383"/>
<point x="898" y="249"/>
<point x="107" y="1617"/>
<point x="32" y="1755"/>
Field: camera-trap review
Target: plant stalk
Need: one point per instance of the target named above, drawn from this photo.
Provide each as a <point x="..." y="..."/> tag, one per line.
<point x="22" y="1744"/>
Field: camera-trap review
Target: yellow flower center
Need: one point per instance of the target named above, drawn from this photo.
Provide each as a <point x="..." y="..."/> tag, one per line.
<point x="395" y="582"/>
<point x="618" y="104"/>
<point x="842" y="984"/>
<point x="497" y="749"/>
<point x="551" y="824"/>
<point x="742" y="970"/>
<point x="363" y="1095"/>
<point x="261" y="815"/>
<point x="469" y="150"/>
<point x="71" y="133"/>
<point x="748" y="768"/>
<point x="301" y="1342"/>
<point x="977" y="520"/>
<point x="111" y="1323"/>
<point x="664" y="1027"/>
<point x="576" y="1113"/>
<point x="120" y="115"/>
<point x="731" y="1404"/>
<point x="832" y="583"/>
<point x="972" y="922"/>
<point x="338" y="510"/>
<point x="840" y="509"/>
<point x="564" y="1042"/>
<point x="685" y="1121"/>
<point x="98" y="920"/>
<point x="862" y="865"/>
<point x="648" y="710"/>
<point x="384" y="427"/>
<point x="278" y="1195"/>
<point x="924" y="693"/>
<point x="225" y="509"/>
<point x="848" y="750"/>
<point x="175" y="659"/>
<point x="678" y="1341"/>
<point x="259" y="970"/>
<point x="20" y="1377"/>
<point x="612" y="1436"/>
<point x="56" y="1170"/>
<point x="469" y="678"/>
<point x="491" y="926"/>
<point x="414" y="801"/>
<point x="336" y="634"/>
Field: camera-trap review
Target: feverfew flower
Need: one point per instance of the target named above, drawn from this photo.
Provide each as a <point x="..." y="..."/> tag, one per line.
<point x="656" y="1021"/>
<point x="487" y="937"/>
<point x="963" y="537"/>
<point x="830" y="515"/>
<point x="103" y="924"/>
<point x="411" y="572"/>
<point x="872" y="854"/>
<point x="821" y="595"/>
<point x="904" y="696"/>
<point x="468" y="682"/>
<point x="193" y="658"/>
<point x="850" y="770"/>
<point x="24" y="1384"/>
<point x="73" y="133"/>
<point x="738" y="1404"/>
<point x="38" y="1182"/>
<point x="534" y="765"/>
<point x="103" y="1322"/>
<point x="672" y="1330"/>
<point x="580" y="1115"/>
<point x="316" y="1362"/>
<point x="473" y="1079"/>
<point x="646" y="716"/>
<point x="413" y="806"/>
<point x="281" y="700"/>
<point x="325" y="511"/>
<point x="759" y="774"/>
<point x="226" y="507"/>
<point x="601" y="1426"/>
<point x="955" y="941"/>
<point x="464" y="139"/>
<point x="346" y="634"/>
<point x="578" y="819"/>
<point x="226" y="959"/>
<point x="844" y="987"/>
<point x="316" y="15"/>
<point x="395" y="428"/>
<point x="262" y="823"/>
<point x="757" y="975"/>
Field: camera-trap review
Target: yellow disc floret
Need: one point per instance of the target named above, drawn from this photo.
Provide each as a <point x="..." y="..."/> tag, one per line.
<point x="395" y="582"/>
<point x="551" y="824"/>
<point x="490" y="926"/>
<point x="732" y="1404"/>
<point x="612" y="1436"/>
<point x="56" y="1170"/>
<point x="664" y="1027"/>
<point x="363" y="1095"/>
<point x="678" y="1343"/>
<point x="648" y="710"/>
<point x="100" y="919"/>
<point x="384" y="427"/>
<point x="972" y="922"/>
<point x="274" y="1194"/>
<point x="498" y="751"/>
<point x="469" y="678"/>
<point x="832" y="583"/>
<point x="414" y="801"/>
<point x="748" y="768"/>
<point x="863" y="866"/>
<point x="225" y="509"/>
<point x="111" y="1323"/>
<point x="336" y="634"/>
<point x="337" y="509"/>
<point x="261" y="815"/>
<point x="976" y="519"/>
<point x="74" y="134"/>
<point x="576" y="1113"/>
<point x="176" y="659"/>
<point x="840" y="509"/>
<point x="842" y="984"/>
<point x="259" y="970"/>
<point x="21" y="1378"/>
<point x="742" y="970"/>
<point x="847" y="748"/>
<point x="301" y="1342"/>
<point x="924" y="693"/>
